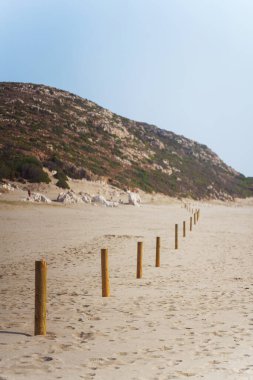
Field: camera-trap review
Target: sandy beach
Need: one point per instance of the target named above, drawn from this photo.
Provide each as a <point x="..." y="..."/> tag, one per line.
<point x="190" y="318"/>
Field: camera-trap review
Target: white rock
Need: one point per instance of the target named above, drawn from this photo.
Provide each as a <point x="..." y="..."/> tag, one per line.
<point x="112" y="204"/>
<point x="102" y="201"/>
<point x="134" y="199"/>
<point x="86" y="198"/>
<point x="8" y="187"/>
<point x="37" y="197"/>
<point x="69" y="197"/>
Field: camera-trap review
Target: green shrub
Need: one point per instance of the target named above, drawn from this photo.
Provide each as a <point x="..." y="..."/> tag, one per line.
<point x="33" y="173"/>
<point x="63" y="184"/>
<point x="16" y="166"/>
<point x="62" y="179"/>
<point x="31" y="169"/>
<point x="5" y="171"/>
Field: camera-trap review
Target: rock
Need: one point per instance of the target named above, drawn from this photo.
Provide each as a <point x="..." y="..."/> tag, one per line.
<point x="37" y="197"/>
<point x="69" y="197"/>
<point x="112" y="204"/>
<point x="101" y="200"/>
<point x="134" y="199"/>
<point x="7" y="186"/>
<point x="86" y="198"/>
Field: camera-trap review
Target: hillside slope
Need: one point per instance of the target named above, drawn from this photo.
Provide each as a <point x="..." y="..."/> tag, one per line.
<point x="81" y="139"/>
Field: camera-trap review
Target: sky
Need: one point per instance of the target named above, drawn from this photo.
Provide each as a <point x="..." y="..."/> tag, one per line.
<point x="183" y="65"/>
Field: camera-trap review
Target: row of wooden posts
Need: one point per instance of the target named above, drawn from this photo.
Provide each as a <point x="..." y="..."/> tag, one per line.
<point x="41" y="275"/>
<point x="104" y="255"/>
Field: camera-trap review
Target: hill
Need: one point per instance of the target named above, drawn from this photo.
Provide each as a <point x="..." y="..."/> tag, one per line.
<point x="43" y="126"/>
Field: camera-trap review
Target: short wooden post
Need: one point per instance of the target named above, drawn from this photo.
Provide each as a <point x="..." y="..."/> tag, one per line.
<point x="184" y="229"/>
<point x="198" y="213"/>
<point x="194" y="217"/>
<point x="158" y="247"/>
<point x="40" y="322"/>
<point x="105" y="273"/>
<point x="176" y="236"/>
<point x="139" y="259"/>
<point x="191" y="223"/>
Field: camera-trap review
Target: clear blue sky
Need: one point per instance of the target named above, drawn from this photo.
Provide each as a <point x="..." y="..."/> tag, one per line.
<point x="183" y="65"/>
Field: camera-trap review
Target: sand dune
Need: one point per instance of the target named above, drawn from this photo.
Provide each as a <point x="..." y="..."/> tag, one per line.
<point x="191" y="318"/>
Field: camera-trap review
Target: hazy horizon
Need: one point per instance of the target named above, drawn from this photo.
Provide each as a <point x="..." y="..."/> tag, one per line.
<point x="184" y="66"/>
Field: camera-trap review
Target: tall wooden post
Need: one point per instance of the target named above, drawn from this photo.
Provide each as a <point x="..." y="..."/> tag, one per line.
<point x="139" y="259"/>
<point x="191" y="223"/>
<point x="158" y="247"/>
<point x="40" y="323"/>
<point x="105" y="273"/>
<point x="176" y="236"/>
<point x="184" y="229"/>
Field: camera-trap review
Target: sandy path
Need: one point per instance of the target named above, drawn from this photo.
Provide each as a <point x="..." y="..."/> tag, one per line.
<point x="191" y="318"/>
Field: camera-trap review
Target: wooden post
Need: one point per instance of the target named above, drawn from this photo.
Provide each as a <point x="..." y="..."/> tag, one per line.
<point x="158" y="246"/>
<point x="191" y="223"/>
<point x="40" y="322"/>
<point x="139" y="259"/>
<point x="184" y="229"/>
<point x="176" y="236"/>
<point x="105" y="273"/>
<point x="194" y="217"/>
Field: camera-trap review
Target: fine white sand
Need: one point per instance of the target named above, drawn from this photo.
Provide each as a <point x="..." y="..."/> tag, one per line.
<point x="191" y="318"/>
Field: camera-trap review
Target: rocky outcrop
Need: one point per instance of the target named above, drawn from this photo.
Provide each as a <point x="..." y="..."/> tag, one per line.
<point x="70" y="197"/>
<point x="37" y="197"/>
<point x="7" y="187"/>
<point x="99" y="199"/>
<point x="134" y="199"/>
